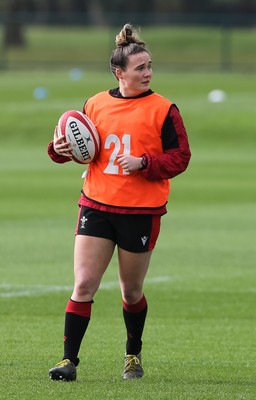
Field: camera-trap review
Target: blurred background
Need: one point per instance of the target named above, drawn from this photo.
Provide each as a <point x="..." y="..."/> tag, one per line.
<point x="216" y="35"/>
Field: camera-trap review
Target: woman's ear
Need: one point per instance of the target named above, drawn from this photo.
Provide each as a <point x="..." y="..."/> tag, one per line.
<point x="119" y="73"/>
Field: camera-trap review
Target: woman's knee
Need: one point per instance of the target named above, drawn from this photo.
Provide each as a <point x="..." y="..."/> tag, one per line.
<point x="85" y="289"/>
<point x="132" y="295"/>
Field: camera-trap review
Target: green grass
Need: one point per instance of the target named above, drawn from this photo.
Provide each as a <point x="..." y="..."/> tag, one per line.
<point x="200" y="334"/>
<point x="172" y="47"/>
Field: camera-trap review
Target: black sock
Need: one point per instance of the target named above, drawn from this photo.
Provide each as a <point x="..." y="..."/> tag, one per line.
<point x="134" y="318"/>
<point x="77" y="319"/>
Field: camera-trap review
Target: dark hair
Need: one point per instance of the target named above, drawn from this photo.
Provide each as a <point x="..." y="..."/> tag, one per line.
<point x="127" y="43"/>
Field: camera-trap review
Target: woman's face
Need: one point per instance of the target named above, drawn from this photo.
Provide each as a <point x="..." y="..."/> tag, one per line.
<point x="137" y="75"/>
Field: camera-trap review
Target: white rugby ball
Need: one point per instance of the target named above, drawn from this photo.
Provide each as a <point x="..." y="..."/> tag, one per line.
<point x="81" y="134"/>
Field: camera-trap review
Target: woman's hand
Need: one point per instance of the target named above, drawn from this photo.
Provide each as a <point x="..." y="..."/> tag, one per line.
<point x="129" y="163"/>
<point x="60" y="147"/>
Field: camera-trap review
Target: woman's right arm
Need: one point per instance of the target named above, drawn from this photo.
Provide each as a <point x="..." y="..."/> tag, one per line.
<point x="58" y="150"/>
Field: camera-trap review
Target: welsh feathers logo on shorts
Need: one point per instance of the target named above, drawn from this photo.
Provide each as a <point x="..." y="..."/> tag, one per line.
<point x="83" y="221"/>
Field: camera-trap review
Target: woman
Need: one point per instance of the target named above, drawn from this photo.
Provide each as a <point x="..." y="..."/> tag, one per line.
<point x="143" y="145"/>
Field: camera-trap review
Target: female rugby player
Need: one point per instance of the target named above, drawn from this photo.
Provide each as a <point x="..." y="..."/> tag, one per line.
<point x="143" y="145"/>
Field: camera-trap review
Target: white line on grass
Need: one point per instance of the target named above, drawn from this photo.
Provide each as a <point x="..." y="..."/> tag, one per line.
<point x="9" y="290"/>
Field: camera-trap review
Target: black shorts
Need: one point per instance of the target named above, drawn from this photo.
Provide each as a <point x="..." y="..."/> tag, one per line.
<point x="136" y="233"/>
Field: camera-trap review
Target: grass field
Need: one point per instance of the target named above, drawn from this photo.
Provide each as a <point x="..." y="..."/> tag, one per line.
<point x="199" y="341"/>
<point x="173" y="47"/>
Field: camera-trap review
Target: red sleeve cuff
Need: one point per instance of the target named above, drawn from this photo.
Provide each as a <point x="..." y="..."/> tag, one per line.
<point x="56" y="157"/>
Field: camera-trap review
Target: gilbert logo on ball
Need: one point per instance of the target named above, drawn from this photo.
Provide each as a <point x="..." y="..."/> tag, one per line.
<point x="81" y="134"/>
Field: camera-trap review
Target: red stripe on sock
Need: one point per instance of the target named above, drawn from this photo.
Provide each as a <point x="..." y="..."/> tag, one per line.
<point x="82" y="309"/>
<point x="135" y="308"/>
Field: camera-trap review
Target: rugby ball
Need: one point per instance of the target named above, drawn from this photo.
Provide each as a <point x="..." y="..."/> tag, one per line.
<point x="81" y="134"/>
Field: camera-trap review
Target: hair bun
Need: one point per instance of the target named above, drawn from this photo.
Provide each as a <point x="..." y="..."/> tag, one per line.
<point x="127" y="36"/>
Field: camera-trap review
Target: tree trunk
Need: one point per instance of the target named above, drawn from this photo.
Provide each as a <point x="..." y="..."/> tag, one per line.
<point x="14" y="30"/>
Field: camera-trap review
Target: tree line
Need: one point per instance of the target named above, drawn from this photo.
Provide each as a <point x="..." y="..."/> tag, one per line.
<point x="158" y="6"/>
<point x="97" y="11"/>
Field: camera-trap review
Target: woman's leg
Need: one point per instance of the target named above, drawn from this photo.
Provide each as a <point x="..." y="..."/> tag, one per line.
<point x="91" y="258"/>
<point x="133" y="268"/>
<point x="132" y="271"/>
